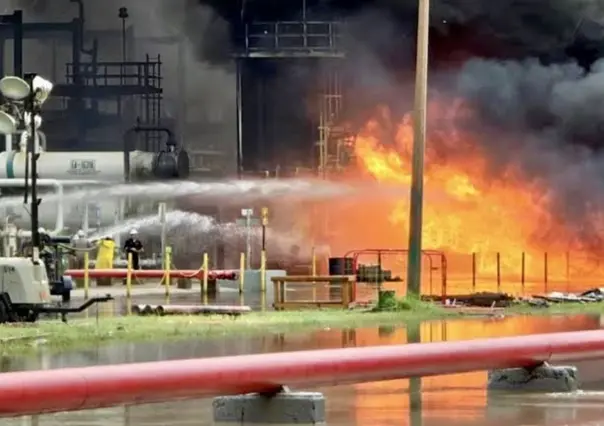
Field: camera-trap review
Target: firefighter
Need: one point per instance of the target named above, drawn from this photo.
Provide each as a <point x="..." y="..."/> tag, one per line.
<point x="135" y="247"/>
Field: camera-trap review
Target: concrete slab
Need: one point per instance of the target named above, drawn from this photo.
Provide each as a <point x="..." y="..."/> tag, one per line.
<point x="284" y="408"/>
<point x="545" y="378"/>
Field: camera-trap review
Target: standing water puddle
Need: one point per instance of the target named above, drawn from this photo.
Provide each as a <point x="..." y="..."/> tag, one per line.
<point x="456" y="399"/>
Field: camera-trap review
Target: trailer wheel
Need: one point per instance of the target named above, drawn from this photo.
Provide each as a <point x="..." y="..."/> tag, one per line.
<point x="3" y="312"/>
<point x="31" y="316"/>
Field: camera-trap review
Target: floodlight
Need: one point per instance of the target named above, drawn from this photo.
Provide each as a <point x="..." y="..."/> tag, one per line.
<point x="27" y="120"/>
<point x="8" y="124"/>
<point x="14" y="88"/>
<point x="42" y="87"/>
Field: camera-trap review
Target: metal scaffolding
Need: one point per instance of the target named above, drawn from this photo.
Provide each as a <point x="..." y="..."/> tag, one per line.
<point x="298" y="40"/>
<point x="330" y="104"/>
<point x="90" y="83"/>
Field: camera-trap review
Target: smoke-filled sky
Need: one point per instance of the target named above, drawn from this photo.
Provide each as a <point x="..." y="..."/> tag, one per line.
<point x="502" y="28"/>
<point x="529" y="68"/>
<point x="543" y="40"/>
<point x="209" y="90"/>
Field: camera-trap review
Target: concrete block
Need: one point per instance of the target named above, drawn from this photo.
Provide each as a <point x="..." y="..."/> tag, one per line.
<point x="545" y="378"/>
<point x="184" y="283"/>
<point x="283" y="408"/>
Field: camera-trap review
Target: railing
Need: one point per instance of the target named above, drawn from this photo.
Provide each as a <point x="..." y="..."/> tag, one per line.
<point x="519" y="273"/>
<point x="436" y="262"/>
<point x="73" y="389"/>
<point x="102" y="74"/>
<point x="322" y="36"/>
<point x="314" y="291"/>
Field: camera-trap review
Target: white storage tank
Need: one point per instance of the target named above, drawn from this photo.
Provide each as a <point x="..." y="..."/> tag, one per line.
<point x="101" y="166"/>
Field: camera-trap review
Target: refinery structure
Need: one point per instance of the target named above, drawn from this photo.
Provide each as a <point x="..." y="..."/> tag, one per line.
<point x="171" y="94"/>
<point x="124" y="109"/>
<point x="119" y="110"/>
<point x="103" y="123"/>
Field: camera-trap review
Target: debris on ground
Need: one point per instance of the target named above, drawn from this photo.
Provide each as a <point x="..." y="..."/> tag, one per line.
<point x="502" y="300"/>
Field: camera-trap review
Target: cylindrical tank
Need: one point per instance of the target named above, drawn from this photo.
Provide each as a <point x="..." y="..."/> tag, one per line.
<point x="101" y="166"/>
<point x="341" y="266"/>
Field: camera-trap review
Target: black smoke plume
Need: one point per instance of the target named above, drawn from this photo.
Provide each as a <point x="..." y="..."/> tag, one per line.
<point x="529" y="69"/>
<point x="549" y="29"/>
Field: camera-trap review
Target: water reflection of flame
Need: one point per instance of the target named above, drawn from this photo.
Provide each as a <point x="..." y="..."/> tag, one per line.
<point x="459" y="397"/>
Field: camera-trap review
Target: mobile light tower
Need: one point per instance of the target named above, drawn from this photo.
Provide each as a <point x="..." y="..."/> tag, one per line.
<point x="20" y="109"/>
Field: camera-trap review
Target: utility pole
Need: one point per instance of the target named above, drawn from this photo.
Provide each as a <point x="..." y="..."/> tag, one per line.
<point x="414" y="262"/>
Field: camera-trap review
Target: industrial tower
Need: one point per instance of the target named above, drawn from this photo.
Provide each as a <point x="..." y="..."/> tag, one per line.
<point x="316" y="42"/>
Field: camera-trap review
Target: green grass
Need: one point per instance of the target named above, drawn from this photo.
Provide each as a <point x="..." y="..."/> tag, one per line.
<point x="81" y="333"/>
<point x="558" y="309"/>
<point x="88" y="332"/>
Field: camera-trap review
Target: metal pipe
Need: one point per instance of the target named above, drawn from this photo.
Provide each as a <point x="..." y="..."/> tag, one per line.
<point x="443" y="263"/>
<point x="263" y="271"/>
<point x="182" y="89"/>
<point x="431" y="266"/>
<point x="18" y="30"/>
<point x="567" y="271"/>
<point x="34" y="152"/>
<point x="239" y="95"/>
<point x="522" y="271"/>
<point x="57" y="184"/>
<point x="167" y="255"/>
<point x="71" y="389"/>
<point x="248" y="240"/>
<point x="196" y="309"/>
<point x="2" y="52"/>
<point x="153" y="273"/>
<point x="545" y="272"/>
<point x="8" y="143"/>
<point x="162" y="211"/>
<point x="241" y="273"/>
<point x="498" y="272"/>
<point x="204" y="283"/>
<point x="128" y="285"/>
<point x="473" y="272"/>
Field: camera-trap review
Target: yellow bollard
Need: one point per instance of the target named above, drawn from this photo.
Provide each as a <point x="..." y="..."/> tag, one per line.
<point x="129" y="285"/>
<point x="263" y="271"/>
<point x="204" y="283"/>
<point x="168" y="263"/>
<point x="314" y="273"/>
<point x="241" y="272"/>
<point x="86" y="275"/>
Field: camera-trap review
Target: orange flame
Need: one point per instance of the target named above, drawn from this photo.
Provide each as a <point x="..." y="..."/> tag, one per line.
<point x="468" y="208"/>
